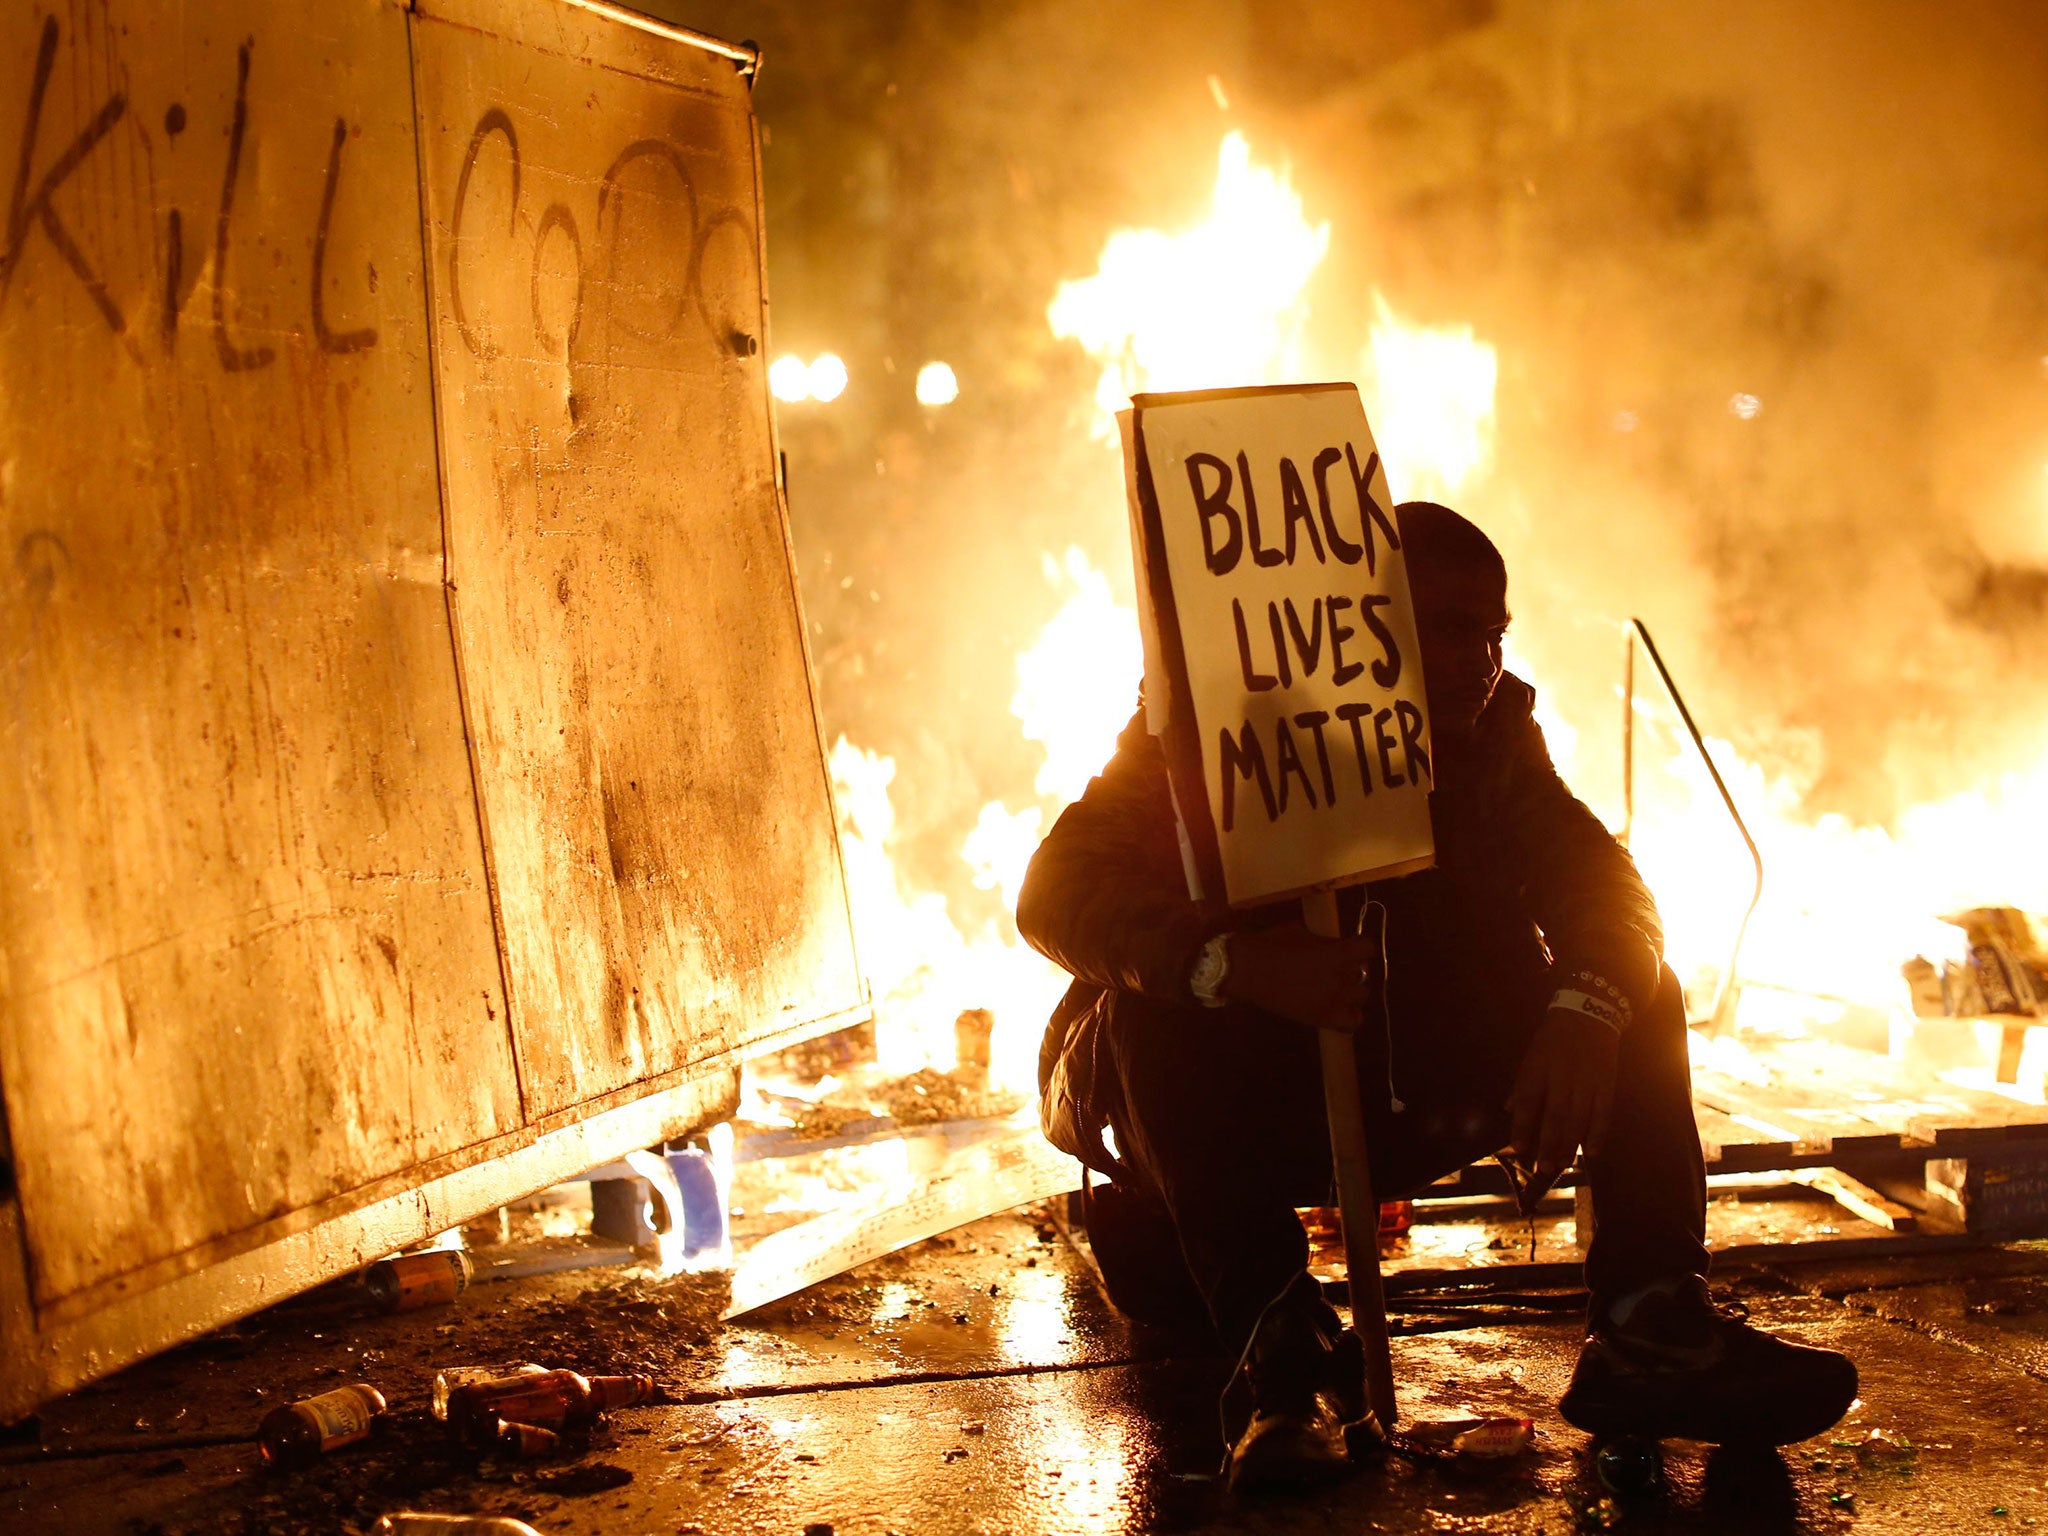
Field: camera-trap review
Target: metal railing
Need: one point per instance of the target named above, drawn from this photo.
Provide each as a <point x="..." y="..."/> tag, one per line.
<point x="1725" y="992"/>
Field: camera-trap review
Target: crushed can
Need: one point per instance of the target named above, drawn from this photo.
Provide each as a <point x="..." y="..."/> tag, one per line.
<point x="1494" y="1437"/>
<point x="1437" y="1434"/>
<point x="418" y="1279"/>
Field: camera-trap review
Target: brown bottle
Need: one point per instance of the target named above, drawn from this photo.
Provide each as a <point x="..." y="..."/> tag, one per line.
<point x="621" y="1391"/>
<point x="446" y="1381"/>
<point x="299" y="1434"/>
<point x="418" y="1279"/>
<point x="554" y="1400"/>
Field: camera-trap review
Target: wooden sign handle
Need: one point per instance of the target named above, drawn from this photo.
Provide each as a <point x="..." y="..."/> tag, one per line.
<point x="1358" y="1210"/>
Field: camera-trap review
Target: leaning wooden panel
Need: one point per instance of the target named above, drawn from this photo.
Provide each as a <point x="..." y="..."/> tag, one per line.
<point x="657" y="812"/>
<point x="246" y="957"/>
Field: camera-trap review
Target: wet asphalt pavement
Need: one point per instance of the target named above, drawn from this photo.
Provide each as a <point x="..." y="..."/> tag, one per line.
<point x="980" y="1384"/>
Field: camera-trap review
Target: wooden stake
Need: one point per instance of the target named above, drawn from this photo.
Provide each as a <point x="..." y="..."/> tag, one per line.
<point x="1358" y="1209"/>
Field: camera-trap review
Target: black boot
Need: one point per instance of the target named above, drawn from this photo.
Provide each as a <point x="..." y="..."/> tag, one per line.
<point x="1307" y="1383"/>
<point x="1678" y="1367"/>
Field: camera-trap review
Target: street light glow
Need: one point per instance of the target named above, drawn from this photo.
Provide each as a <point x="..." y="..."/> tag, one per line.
<point x="937" y="384"/>
<point x="789" y="379"/>
<point x="827" y="376"/>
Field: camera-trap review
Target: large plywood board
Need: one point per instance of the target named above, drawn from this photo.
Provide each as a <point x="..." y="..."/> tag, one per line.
<point x="655" y="802"/>
<point x="246" y="953"/>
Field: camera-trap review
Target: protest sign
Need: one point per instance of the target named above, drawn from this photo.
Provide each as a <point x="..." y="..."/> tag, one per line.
<point x="1282" y="670"/>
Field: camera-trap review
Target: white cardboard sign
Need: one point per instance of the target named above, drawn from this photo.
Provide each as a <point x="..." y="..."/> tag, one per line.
<point x="1281" y="663"/>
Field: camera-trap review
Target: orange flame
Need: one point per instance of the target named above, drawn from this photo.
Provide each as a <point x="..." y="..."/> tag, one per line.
<point x="1219" y="304"/>
<point x="1222" y="303"/>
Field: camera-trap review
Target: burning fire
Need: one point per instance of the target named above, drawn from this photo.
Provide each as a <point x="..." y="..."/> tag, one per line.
<point x="1843" y="905"/>
<point x="1430" y="402"/>
<point x="1219" y="304"/>
<point x="1225" y="302"/>
<point x="1076" y="687"/>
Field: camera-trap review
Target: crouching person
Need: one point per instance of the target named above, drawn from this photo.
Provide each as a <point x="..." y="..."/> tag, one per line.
<point x="1527" y="1005"/>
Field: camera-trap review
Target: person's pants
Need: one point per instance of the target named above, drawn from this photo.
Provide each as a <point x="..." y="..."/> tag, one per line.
<point x="1222" y="1115"/>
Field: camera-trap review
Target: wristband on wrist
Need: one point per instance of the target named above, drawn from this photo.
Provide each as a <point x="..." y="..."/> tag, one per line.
<point x="1599" y="1009"/>
<point x="1593" y="984"/>
<point x="1211" y="967"/>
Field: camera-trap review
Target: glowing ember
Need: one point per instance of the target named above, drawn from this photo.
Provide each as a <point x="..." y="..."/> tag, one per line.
<point x="789" y="378"/>
<point x="827" y="377"/>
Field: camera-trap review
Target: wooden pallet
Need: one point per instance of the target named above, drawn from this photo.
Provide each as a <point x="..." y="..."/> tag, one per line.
<point x="1810" y="1103"/>
<point x="1891" y="1143"/>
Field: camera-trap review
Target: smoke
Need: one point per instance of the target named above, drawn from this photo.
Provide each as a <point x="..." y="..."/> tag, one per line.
<point x="1768" y="287"/>
<point x="1771" y="295"/>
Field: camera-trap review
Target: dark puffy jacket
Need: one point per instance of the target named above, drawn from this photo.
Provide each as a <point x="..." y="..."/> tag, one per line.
<point x="1106" y="896"/>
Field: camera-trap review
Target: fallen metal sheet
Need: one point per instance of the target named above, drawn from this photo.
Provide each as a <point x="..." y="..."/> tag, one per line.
<point x="994" y="1175"/>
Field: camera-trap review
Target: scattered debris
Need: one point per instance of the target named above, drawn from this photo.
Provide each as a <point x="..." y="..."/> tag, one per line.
<point x="2005" y="972"/>
<point x="299" y="1434"/>
<point x="454" y="1376"/>
<point x="1474" y="1436"/>
<point x="577" y="1482"/>
<point x="526" y="1441"/>
<point x="926" y="1096"/>
<point x="419" y="1279"/>
<point x="1629" y="1468"/>
<point x="552" y="1400"/>
<point x="1495" y="1437"/>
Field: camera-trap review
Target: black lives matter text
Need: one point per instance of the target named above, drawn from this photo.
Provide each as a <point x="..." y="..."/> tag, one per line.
<point x="1305" y="760"/>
